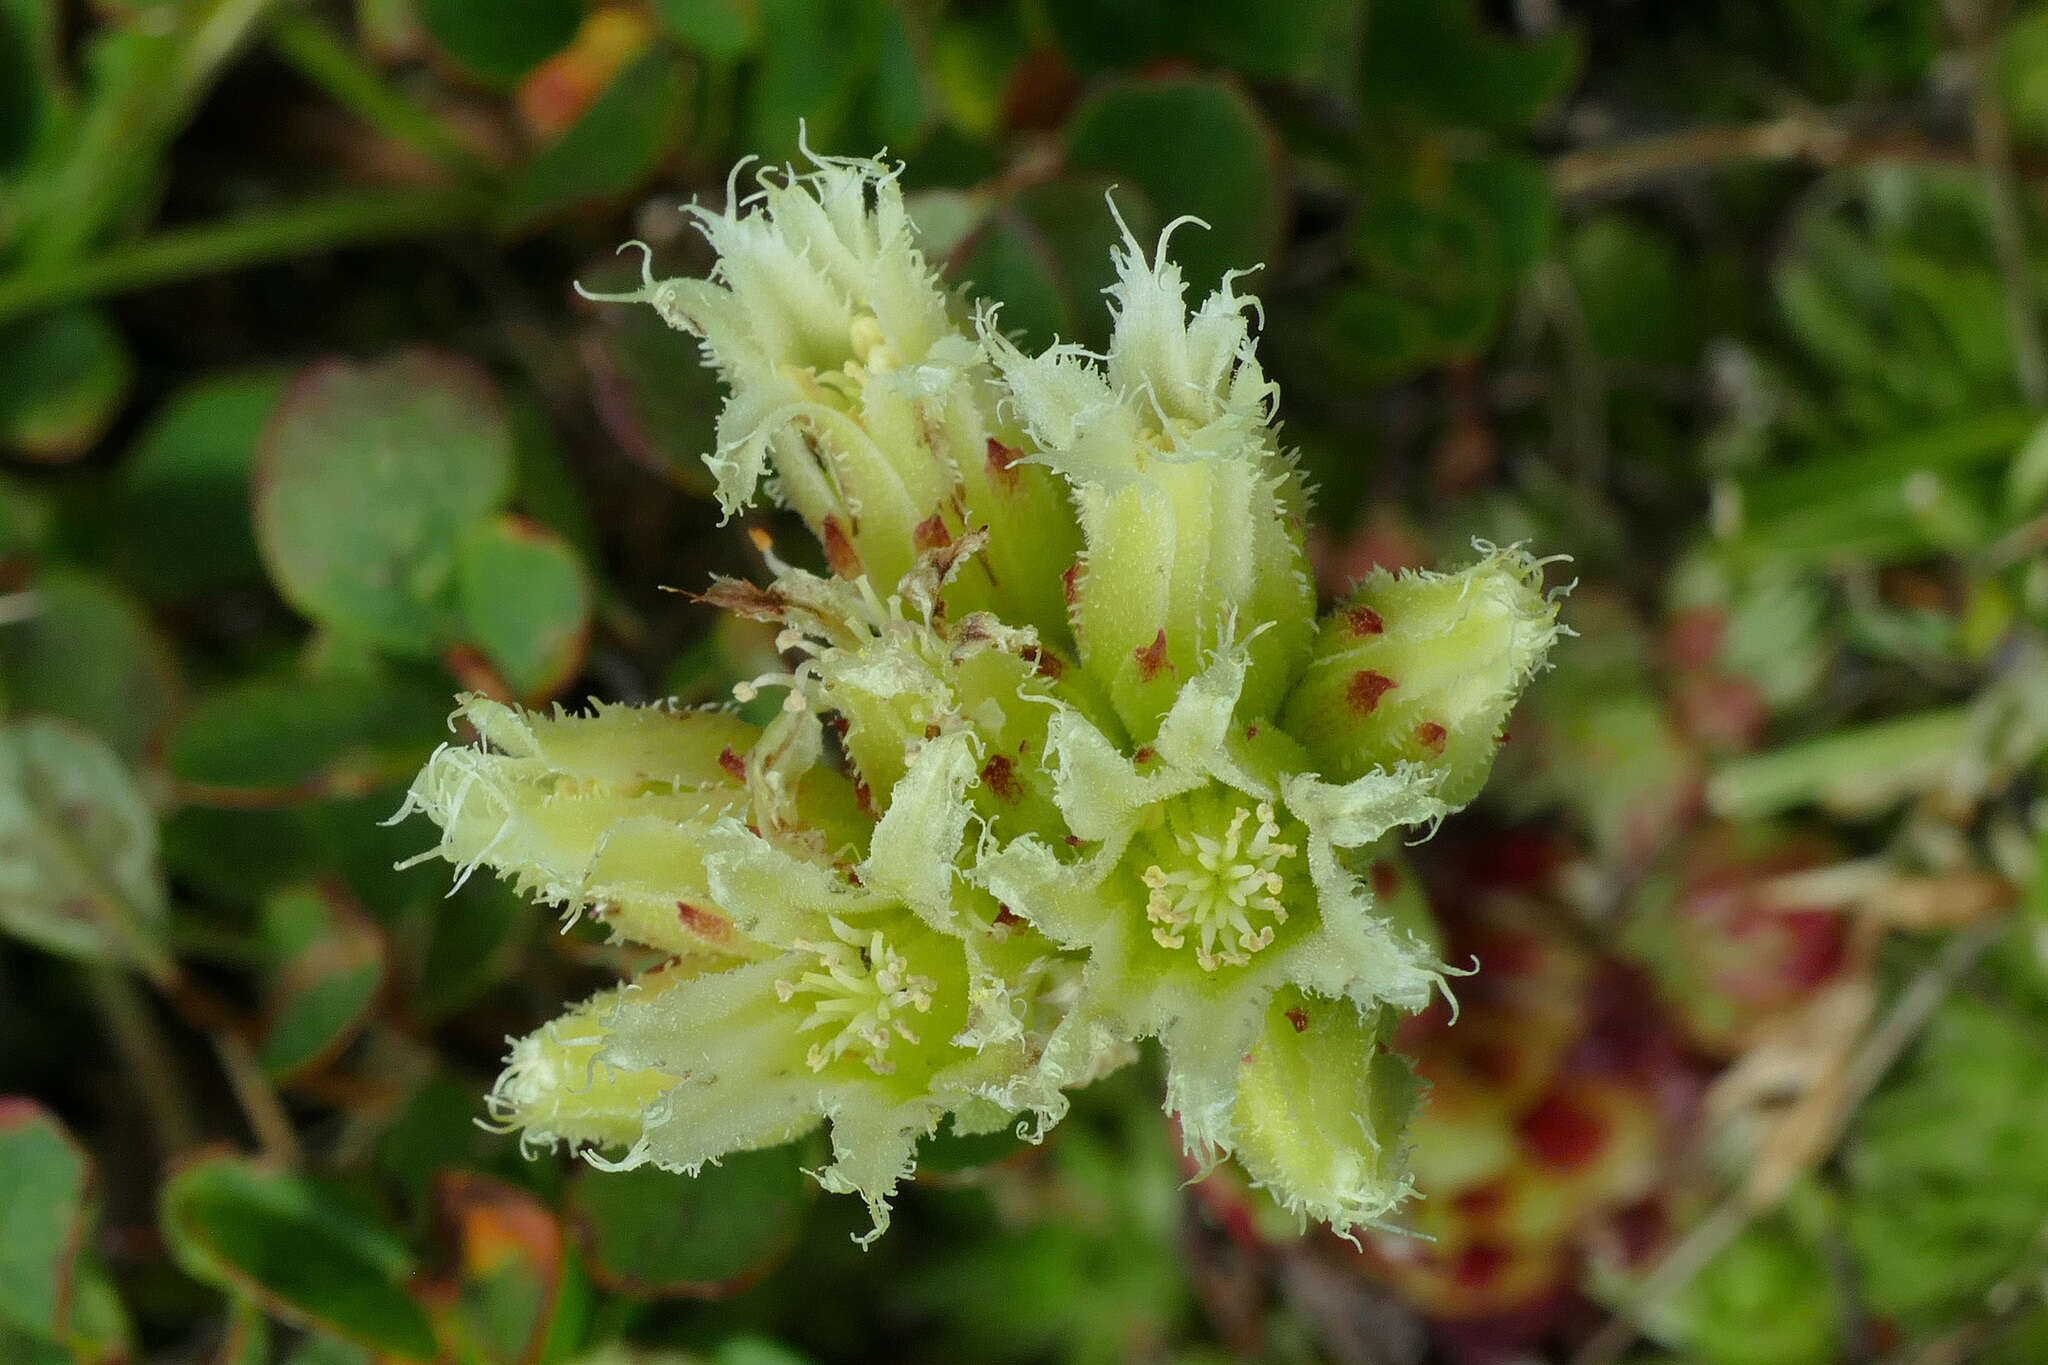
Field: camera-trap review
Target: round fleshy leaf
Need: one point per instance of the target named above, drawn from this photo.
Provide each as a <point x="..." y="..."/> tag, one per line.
<point x="615" y="145"/>
<point x="842" y="70"/>
<point x="310" y="1255"/>
<point x="62" y="377"/>
<point x="526" y="603"/>
<point x="368" y="479"/>
<point x="722" y="31"/>
<point x="501" y="40"/>
<point x="90" y="655"/>
<point x="1432" y="57"/>
<point x="281" y="739"/>
<point x="651" y="1232"/>
<point x="184" y="490"/>
<point x="473" y="942"/>
<point x="78" y="847"/>
<point x="1194" y="145"/>
<point x="27" y="50"/>
<point x="1008" y="259"/>
<point x="324" y="966"/>
<point x="507" y="1270"/>
<point x="44" y="1177"/>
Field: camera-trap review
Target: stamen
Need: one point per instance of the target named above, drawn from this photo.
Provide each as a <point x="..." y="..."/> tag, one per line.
<point x="1223" y="884"/>
<point x="864" y="993"/>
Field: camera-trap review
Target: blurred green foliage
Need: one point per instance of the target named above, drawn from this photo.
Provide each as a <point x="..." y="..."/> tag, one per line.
<point x="302" y="430"/>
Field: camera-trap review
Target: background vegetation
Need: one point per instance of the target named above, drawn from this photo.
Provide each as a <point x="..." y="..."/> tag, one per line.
<point x="1739" y="303"/>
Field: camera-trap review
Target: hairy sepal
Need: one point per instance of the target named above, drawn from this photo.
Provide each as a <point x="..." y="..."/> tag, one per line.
<point x="1322" y="1109"/>
<point x="1424" y="668"/>
<point x="610" y="812"/>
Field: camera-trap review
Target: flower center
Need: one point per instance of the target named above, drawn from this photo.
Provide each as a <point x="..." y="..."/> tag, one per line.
<point x="862" y="992"/>
<point x="1220" y="886"/>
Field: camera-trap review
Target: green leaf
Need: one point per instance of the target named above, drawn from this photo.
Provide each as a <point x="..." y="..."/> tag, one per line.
<point x="1298" y="39"/>
<point x="1512" y="192"/>
<point x="506" y="1284"/>
<point x="1008" y="259"/>
<point x="184" y="490"/>
<point x="615" y="145"/>
<point x="311" y="1256"/>
<point x="473" y="941"/>
<point x="2026" y="478"/>
<point x="819" y="69"/>
<point x="657" y="399"/>
<point x="1630" y="288"/>
<point x="328" y="1351"/>
<point x="501" y="40"/>
<point x="1434" y="273"/>
<point x="104" y="163"/>
<point x="1071" y="217"/>
<point x="100" y="1328"/>
<point x="20" y="1348"/>
<point x="1766" y="1299"/>
<point x="2023" y="75"/>
<point x="28" y="517"/>
<point x="723" y="31"/>
<point x="436" y="1128"/>
<point x="649" y="1232"/>
<point x="43" y="1187"/>
<point x="948" y="1152"/>
<point x="63" y="375"/>
<point x="90" y="655"/>
<point x="78" y="848"/>
<point x="1946" y="1190"/>
<point x="1194" y="145"/>
<point x="325" y="966"/>
<point x="24" y="85"/>
<point x="1863" y="501"/>
<point x="285" y="738"/>
<point x="1430" y="57"/>
<point x="526" y="602"/>
<point x="271" y="847"/>
<point x="368" y="479"/>
<point x="1045" y="252"/>
<point x="350" y="837"/>
<point x="544" y="489"/>
<point x="1278" y="40"/>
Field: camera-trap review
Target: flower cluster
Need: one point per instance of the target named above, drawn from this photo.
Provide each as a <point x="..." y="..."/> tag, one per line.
<point x="1065" y="759"/>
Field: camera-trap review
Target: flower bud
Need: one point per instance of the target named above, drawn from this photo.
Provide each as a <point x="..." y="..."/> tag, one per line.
<point x="852" y="382"/>
<point x="1322" y="1107"/>
<point x="557" y="1086"/>
<point x="1190" y="514"/>
<point x="1424" y="668"/>
<point x="608" y="812"/>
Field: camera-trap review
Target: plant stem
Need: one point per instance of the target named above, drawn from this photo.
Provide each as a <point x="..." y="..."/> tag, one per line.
<point x="181" y="253"/>
<point x="258" y="1099"/>
<point x="338" y="70"/>
<point x="1796" y="137"/>
<point x="1993" y="141"/>
<point x="147" y="1058"/>
<point x="128" y="123"/>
